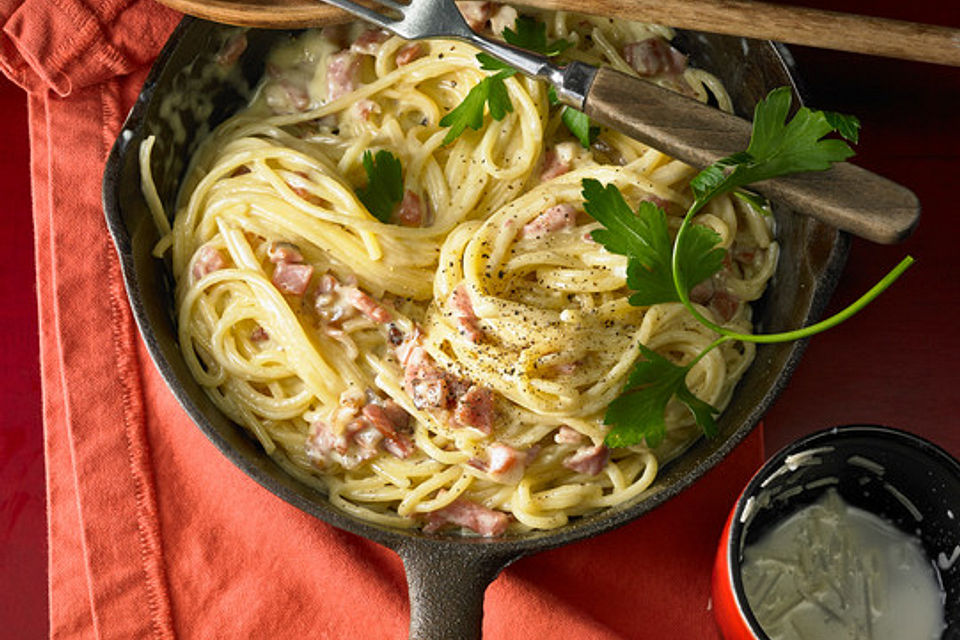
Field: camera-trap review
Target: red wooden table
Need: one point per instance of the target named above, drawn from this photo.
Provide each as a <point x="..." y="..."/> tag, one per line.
<point x="893" y="364"/>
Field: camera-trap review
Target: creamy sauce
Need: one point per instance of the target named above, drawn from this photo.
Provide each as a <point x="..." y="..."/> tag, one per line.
<point x="832" y="571"/>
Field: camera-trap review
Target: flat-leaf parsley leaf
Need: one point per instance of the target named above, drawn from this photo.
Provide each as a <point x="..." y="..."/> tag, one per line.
<point x="490" y="91"/>
<point x="384" y="184"/>
<point x="778" y="147"/>
<point x="661" y="270"/>
<point x="637" y="413"/>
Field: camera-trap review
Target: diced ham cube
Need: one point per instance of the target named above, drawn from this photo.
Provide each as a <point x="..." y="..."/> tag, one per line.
<point x="702" y="292"/>
<point x="322" y="443"/>
<point x="285" y="96"/>
<point x="327" y="283"/>
<point x="259" y="335"/>
<point x="410" y="348"/>
<point x="557" y="160"/>
<point x="476" y="13"/>
<point x="711" y="294"/>
<point x="279" y="251"/>
<point x="382" y="419"/>
<point x="408" y="53"/>
<point x="557" y="217"/>
<point x="397" y="415"/>
<point x="426" y="384"/>
<point x="399" y="446"/>
<point x="379" y="419"/>
<point x="567" y="435"/>
<point x="725" y="304"/>
<point x="589" y="460"/>
<point x="410" y="212"/>
<point x="366" y="305"/>
<point x="505" y="463"/>
<point x="475" y="409"/>
<point x="292" y="277"/>
<point x="207" y="261"/>
<point x="464" y="513"/>
<point x="366" y="108"/>
<point x="654" y="57"/>
<point x="368" y="42"/>
<point x="466" y="318"/>
<point x="232" y="49"/>
<point x="368" y="438"/>
<point x="343" y="74"/>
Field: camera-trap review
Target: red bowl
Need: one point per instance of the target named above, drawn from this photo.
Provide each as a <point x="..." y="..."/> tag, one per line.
<point x="927" y="476"/>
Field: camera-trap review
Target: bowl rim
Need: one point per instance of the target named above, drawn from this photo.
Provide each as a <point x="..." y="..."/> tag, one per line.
<point x="736" y="527"/>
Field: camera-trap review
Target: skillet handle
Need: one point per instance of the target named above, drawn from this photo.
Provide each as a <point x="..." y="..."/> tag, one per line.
<point x="845" y="196"/>
<point x="446" y="582"/>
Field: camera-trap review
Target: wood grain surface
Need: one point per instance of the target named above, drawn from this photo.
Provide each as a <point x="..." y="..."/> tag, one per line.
<point x="793" y="25"/>
<point x="845" y="196"/>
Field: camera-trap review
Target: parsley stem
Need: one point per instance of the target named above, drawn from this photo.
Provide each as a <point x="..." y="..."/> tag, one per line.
<point x="707" y="349"/>
<point x="786" y="336"/>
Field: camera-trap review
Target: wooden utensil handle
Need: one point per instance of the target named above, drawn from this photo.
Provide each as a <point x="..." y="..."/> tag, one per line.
<point x="793" y="25"/>
<point x="750" y="18"/>
<point x="845" y="196"/>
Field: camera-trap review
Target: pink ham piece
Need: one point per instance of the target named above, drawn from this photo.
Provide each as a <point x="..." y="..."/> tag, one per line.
<point x="466" y="318"/>
<point x="207" y="261"/>
<point x="654" y="57"/>
<point x="368" y="42"/>
<point x="284" y="96"/>
<point x="476" y="13"/>
<point x="232" y="49"/>
<point x="366" y="108"/>
<point x="557" y="160"/>
<point x="323" y="442"/>
<point x="475" y="409"/>
<point x="279" y="251"/>
<point x="589" y="460"/>
<point x="708" y="293"/>
<point x="387" y="422"/>
<point x="343" y="74"/>
<point x="366" y="305"/>
<point x="725" y="304"/>
<point x="567" y="435"/>
<point x="464" y="513"/>
<point x="505" y="463"/>
<point x="259" y="335"/>
<point x="427" y="385"/>
<point x="702" y="292"/>
<point x="292" y="277"/>
<point x="557" y="217"/>
<point x="369" y="437"/>
<point x="410" y="211"/>
<point x="408" y="53"/>
<point x="324" y="446"/>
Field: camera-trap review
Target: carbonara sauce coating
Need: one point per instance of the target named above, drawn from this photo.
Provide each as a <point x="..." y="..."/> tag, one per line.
<point x="448" y="364"/>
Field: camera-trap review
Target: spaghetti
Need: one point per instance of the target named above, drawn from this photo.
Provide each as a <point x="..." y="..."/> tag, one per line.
<point x="449" y="366"/>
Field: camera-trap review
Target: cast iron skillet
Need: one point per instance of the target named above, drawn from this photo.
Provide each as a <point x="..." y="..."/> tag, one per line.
<point x="447" y="575"/>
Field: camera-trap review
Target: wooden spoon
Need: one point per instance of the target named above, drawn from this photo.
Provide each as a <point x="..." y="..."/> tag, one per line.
<point x="794" y="25"/>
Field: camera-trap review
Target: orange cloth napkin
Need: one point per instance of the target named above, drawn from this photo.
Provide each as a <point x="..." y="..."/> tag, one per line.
<point x="152" y="533"/>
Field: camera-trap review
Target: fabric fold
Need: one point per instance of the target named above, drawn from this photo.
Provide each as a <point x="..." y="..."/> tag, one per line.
<point x="64" y="45"/>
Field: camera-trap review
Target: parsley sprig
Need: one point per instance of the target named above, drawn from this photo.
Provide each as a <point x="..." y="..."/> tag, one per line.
<point x="660" y="270"/>
<point x="491" y="92"/>
<point x="384" y="184"/>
